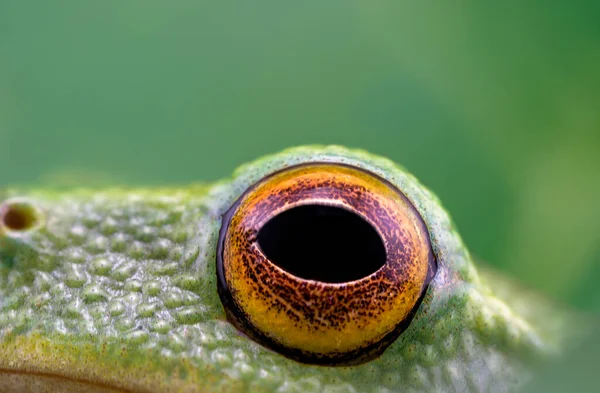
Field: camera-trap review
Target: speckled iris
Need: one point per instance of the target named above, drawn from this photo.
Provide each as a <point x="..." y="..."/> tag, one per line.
<point x="312" y="320"/>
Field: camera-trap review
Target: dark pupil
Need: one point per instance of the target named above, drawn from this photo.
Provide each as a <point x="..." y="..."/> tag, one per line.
<point x="322" y="243"/>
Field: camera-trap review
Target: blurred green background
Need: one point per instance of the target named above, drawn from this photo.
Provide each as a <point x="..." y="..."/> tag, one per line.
<point x="493" y="105"/>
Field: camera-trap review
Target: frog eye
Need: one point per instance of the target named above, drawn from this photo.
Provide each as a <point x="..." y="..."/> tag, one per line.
<point x="323" y="263"/>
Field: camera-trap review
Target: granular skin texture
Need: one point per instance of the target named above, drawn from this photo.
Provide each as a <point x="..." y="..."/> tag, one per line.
<point x="116" y="291"/>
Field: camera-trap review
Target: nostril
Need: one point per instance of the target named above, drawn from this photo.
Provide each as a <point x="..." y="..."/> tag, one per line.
<point x="322" y="243"/>
<point x="18" y="216"/>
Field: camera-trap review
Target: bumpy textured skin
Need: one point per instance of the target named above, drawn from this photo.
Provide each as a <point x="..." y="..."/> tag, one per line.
<point x="116" y="291"/>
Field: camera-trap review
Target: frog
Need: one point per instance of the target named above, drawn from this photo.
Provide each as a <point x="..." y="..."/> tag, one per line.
<point x="142" y="289"/>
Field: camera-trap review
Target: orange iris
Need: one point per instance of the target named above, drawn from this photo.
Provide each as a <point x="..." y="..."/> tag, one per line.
<point x="325" y="263"/>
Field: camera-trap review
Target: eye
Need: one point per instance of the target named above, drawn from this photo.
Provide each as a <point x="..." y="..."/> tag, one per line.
<point x="323" y="263"/>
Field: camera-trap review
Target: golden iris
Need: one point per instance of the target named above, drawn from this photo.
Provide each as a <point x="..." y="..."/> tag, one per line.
<point x="324" y="263"/>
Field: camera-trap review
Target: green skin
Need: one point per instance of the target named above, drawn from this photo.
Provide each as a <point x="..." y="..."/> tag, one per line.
<point x="116" y="291"/>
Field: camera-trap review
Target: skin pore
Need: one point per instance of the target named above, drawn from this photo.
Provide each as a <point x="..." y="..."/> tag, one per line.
<point x="116" y="290"/>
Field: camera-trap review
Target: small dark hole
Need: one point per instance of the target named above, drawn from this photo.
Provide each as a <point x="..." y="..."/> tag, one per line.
<point x="18" y="217"/>
<point x="322" y="243"/>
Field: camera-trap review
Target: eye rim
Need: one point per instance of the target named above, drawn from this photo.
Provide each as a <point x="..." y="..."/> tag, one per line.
<point x="237" y="316"/>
